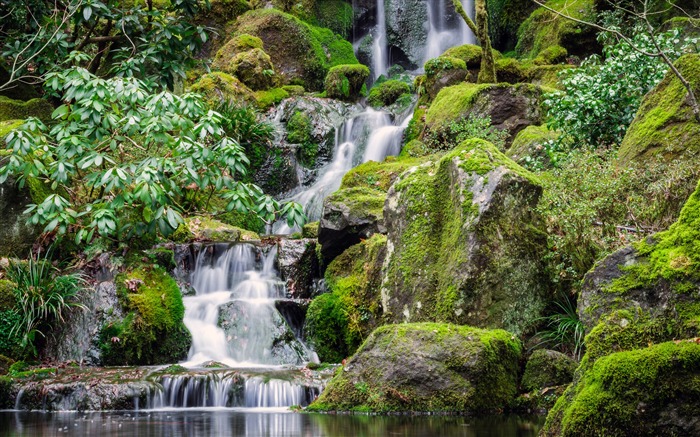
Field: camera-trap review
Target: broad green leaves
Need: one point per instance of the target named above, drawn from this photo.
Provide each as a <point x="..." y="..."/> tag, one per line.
<point x="122" y="159"/>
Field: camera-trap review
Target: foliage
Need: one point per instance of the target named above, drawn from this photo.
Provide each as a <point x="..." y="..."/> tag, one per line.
<point x="244" y="124"/>
<point x="592" y="207"/>
<point x="387" y="93"/>
<point x="142" y="39"/>
<point x="42" y="297"/>
<point x="600" y="98"/>
<point x="128" y="159"/>
<point x="563" y="330"/>
<point x="446" y="137"/>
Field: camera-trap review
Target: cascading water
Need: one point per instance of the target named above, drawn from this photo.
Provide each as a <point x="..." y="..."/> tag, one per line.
<point x="234" y="321"/>
<point x="380" y="48"/>
<point x="444" y="33"/>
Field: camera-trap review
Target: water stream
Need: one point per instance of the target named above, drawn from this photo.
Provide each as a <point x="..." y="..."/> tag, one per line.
<point x="446" y="29"/>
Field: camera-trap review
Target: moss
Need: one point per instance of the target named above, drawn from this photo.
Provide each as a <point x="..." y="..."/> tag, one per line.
<point x="545" y="75"/>
<point x="218" y="87"/>
<point x="336" y="15"/>
<point x="436" y="65"/>
<point x="630" y="393"/>
<point x="414" y="149"/>
<point x="544" y="29"/>
<point x="387" y="93"/>
<point x="664" y="123"/>
<point x="152" y="332"/>
<point x="548" y="369"/>
<point x="378" y="175"/>
<point x="509" y="70"/>
<point x="477" y="371"/>
<point x="266" y="99"/>
<point x="207" y="229"/>
<point x="221" y="12"/>
<point x="505" y="16"/>
<point x="528" y="147"/>
<point x="16" y="109"/>
<point x="310" y="230"/>
<point x="361" y="201"/>
<point x="294" y="90"/>
<point x="8" y="126"/>
<point x="353" y="308"/>
<point x="313" y="52"/>
<point x="470" y="54"/>
<point x="345" y="81"/>
<point x="299" y="131"/>
<point x="551" y="55"/>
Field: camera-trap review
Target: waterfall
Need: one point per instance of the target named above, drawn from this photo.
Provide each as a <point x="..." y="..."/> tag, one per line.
<point x="380" y="47"/>
<point x="444" y="33"/>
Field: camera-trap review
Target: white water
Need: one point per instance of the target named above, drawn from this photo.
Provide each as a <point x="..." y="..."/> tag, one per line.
<point x="443" y="35"/>
<point x="380" y="48"/>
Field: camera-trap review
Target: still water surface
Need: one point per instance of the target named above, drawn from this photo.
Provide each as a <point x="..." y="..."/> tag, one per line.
<point x="263" y="422"/>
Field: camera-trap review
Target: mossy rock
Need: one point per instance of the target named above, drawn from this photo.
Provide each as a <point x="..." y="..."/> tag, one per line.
<point x="387" y="93"/>
<point x="8" y="126"/>
<point x="207" y="229"/>
<point x="219" y="87"/>
<point x="546" y="368"/>
<point x="254" y="68"/>
<point x="451" y="262"/>
<point x="265" y="99"/>
<point x="442" y="72"/>
<point x="510" y="107"/>
<point x="300" y="131"/>
<point x="19" y="110"/>
<point x="337" y="323"/>
<point x="152" y="332"/>
<point x="336" y="15"/>
<point x="302" y="53"/>
<point x="654" y="391"/>
<point x="16" y="235"/>
<point x="544" y="29"/>
<point x="427" y="367"/>
<point x="509" y="70"/>
<point x="470" y="54"/>
<point x="302" y="9"/>
<point x="345" y="82"/>
<point x="528" y="147"/>
<point x="665" y="124"/>
<point x="546" y="76"/>
<point x="505" y="17"/>
<point x="378" y="175"/>
<point x="415" y="148"/>
<point x="310" y="230"/>
<point x="551" y="55"/>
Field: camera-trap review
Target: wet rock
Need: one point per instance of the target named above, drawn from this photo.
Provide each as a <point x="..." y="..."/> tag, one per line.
<point x="298" y="266"/>
<point x="406" y="32"/>
<point x="427" y="367"/>
<point x="16" y="236"/>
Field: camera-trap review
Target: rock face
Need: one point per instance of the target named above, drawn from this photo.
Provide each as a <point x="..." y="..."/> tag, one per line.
<point x="665" y="124"/>
<point x="16" y="237"/>
<point x="427" y="367"/>
<point x="511" y="107"/>
<point x="464" y="243"/>
<point x="406" y="31"/>
<point x="298" y="266"/>
<point x="349" y="216"/>
<point x="547" y="368"/>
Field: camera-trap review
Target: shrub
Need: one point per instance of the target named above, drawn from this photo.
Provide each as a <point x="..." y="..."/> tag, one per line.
<point x="446" y="137"/>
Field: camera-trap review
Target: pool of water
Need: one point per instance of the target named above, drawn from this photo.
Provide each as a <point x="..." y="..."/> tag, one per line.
<point x="261" y="422"/>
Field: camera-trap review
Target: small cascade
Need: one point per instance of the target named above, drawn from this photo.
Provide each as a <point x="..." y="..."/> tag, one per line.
<point x="277" y="393"/>
<point x="446" y="28"/>
<point x="380" y="47"/>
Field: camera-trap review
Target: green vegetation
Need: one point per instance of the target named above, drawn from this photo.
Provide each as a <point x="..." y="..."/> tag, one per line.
<point x="336" y="15"/>
<point x="299" y="131"/>
<point x="19" y="110"/>
<point x="345" y="82"/>
<point x="447" y="137"/>
<point x="152" y="331"/>
<point x="387" y="93"/>
<point x="546" y="369"/>
<point x="563" y="330"/>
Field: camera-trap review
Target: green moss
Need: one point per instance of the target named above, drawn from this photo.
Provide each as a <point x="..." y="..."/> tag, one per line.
<point x="451" y="102"/>
<point x="341" y="320"/>
<point x="218" y="87"/>
<point x="378" y="175"/>
<point x="336" y="15"/>
<point x="442" y="63"/>
<point x="470" y="54"/>
<point x="18" y="110"/>
<point x="362" y="201"/>
<point x="544" y="29"/>
<point x="548" y="369"/>
<point x="294" y="90"/>
<point x="345" y="81"/>
<point x="299" y="131"/>
<point x="551" y="55"/>
<point x="628" y="393"/>
<point x="509" y="70"/>
<point x="387" y="93"/>
<point x="544" y="75"/>
<point x="8" y="126"/>
<point x="664" y="123"/>
<point x="266" y="99"/>
<point x="505" y="16"/>
<point x="310" y="230"/>
<point x="528" y="147"/>
<point x="152" y="332"/>
<point x="207" y="229"/>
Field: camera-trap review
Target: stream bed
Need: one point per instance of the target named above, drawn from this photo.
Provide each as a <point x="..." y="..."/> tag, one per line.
<point x="259" y="422"/>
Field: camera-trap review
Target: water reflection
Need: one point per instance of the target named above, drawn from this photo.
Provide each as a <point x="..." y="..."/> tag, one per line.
<point x="266" y="422"/>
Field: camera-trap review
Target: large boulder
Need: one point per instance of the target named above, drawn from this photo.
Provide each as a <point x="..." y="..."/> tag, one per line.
<point x="406" y="32"/>
<point x="301" y="52"/>
<point x="16" y="236"/>
<point x="17" y="109"/>
<point x="427" y="367"/>
<point x="298" y="264"/>
<point x="510" y="107"/>
<point x="218" y="87"/>
<point x="665" y="124"/>
<point x="529" y="146"/>
<point x="547" y="368"/>
<point x="465" y="243"/>
<point x="442" y="72"/>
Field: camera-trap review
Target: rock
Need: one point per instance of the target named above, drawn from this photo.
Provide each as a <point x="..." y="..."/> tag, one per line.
<point x="387" y="93"/>
<point x="406" y="32"/>
<point x="664" y="124"/>
<point x="339" y="321"/>
<point x="349" y="215"/>
<point x="528" y="147"/>
<point x="511" y="107"/>
<point x="644" y="392"/>
<point x="310" y="230"/>
<point x="243" y="56"/>
<point x="298" y="266"/>
<point x="543" y="29"/>
<point x="442" y="72"/>
<point x="272" y="342"/>
<point x="546" y="368"/>
<point x="509" y="70"/>
<point x="16" y="236"/>
<point x="427" y="367"/>
<point x="19" y="110"/>
<point x="465" y="244"/>
<point x="219" y="87"/>
<point x="505" y="17"/>
<point x="345" y="82"/>
<point x="301" y="52"/>
<point x="218" y="15"/>
<point x="207" y="229"/>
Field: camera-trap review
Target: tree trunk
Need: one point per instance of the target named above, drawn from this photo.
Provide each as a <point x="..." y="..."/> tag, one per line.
<point x="487" y="72"/>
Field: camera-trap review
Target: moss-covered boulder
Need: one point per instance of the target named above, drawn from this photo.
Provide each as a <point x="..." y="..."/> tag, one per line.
<point x="505" y="17"/>
<point x="16" y="236"/>
<point x="310" y="230"/>
<point x="547" y="368"/>
<point x="427" y="367"/>
<point x="510" y="107"/>
<point x="302" y="53"/>
<point x="207" y="229"/>
<point x="544" y="29"/>
<point x="244" y="57"/>
<point x="338" y="322"/>
<point x="218" y="16"/>
<point x="406" y="32"/>
<point x="442" y="72"/>
<point x="19" y="110"/>
<point x="345" y="82"/>
<point x="528" y="147"/>
<point x="298" y="265"/>
<point x="467" y="244"/>
<point x="152" y="332"/>
<point x="664" y="124"/>
<point x="387" y="93"/>
<point x="654" y="391"/>
<point x="219" y="87"/>
<point x="336" y="15"/>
